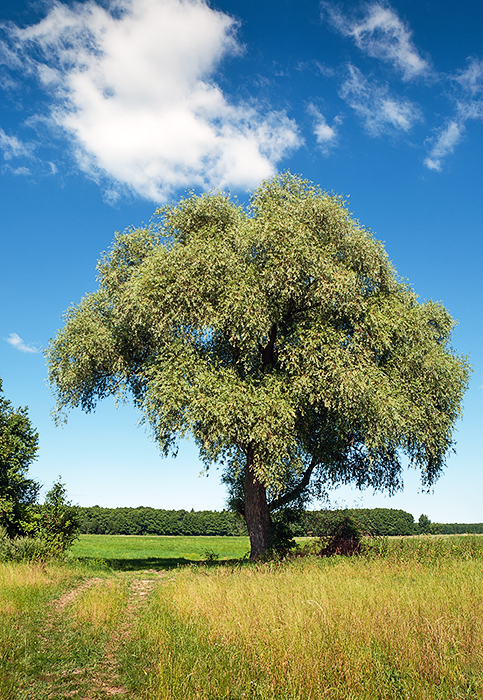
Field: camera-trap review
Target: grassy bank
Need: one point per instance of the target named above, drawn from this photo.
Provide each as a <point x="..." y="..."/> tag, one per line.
<point x="406" y="623"/>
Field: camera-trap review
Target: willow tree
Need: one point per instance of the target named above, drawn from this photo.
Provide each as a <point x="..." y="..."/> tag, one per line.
<point x="279" y="337"/>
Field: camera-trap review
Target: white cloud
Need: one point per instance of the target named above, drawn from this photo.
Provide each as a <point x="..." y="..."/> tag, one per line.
<point x="133" y="87"/>
<point x="12" y="147"/>
<point x="471" y="79"/>
<point x="379" y="110"/>
<point x="448" y="137"/>
<point x="469" y="109"/>
<point x="16" y="341"/>
<point x="21" y="170"/>
<point x="469" y="106"/>
<point x="381" y="34"/>
<point x="326" y="136"/>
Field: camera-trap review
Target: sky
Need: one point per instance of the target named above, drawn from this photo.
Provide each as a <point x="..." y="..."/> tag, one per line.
<point x="109" y="109"/>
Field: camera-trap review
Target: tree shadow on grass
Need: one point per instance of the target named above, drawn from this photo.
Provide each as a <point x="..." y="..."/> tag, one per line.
<point x="157" y="563"/>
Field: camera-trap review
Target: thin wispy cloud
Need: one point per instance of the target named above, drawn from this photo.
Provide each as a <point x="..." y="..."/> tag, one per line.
<point x="11" y="147"/>
<point x="468" y="106"/>
<point x="379" y="32"/>
<point x="469" y="100"/>
<point x="471" y="78"/>
<point x="132" y="84"/>
<point x="444" y="144"/>
<point x="16" y="341"/>
<point x="326" y="135"/>
<point x="379" y="109"/>
<point x="20" y="157"/>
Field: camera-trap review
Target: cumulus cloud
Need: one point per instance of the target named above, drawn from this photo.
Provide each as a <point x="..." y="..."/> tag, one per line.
<point x="16" y="341"/>
<point x="133" y="85"/>
<point x="379" y="110"/>
<point x="380" y="33"/>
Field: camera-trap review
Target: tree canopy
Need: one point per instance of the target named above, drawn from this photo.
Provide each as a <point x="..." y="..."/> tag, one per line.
<point x="279" y="336"/>
<point x="18" y="448"/>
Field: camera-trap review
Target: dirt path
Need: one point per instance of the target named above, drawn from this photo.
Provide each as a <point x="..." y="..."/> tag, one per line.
<point x="105" y="679"/>
<point x="67" y="598"/>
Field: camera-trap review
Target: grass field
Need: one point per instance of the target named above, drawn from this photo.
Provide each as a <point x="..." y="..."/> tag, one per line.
<point x="406" y="623"/>
<point x="144" y="552"/>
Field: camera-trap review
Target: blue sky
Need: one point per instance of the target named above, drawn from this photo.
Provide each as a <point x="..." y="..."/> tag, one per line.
<point x="109" y="109"/>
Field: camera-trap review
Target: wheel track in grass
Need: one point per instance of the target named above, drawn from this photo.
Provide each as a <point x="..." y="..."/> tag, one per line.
<point x="107" y="682"/>
<point x="139" y="591"/>
<point x="70" y="596"/>
<point x="104" y="680"/>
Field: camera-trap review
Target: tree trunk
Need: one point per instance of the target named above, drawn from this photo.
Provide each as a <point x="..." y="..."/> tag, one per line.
<point x="257" y="515"/>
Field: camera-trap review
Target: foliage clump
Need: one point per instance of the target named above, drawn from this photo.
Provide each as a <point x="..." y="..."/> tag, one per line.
<point x="48" y="529"/>
<point x="18" y="449"/>
<point x="28" y="530"/>
<point x="337" y="532"/>
<point x="23" y="548"/>
<point x="56" y="521"/>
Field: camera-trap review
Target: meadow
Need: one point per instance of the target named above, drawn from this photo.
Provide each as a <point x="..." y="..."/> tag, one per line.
<point x="143" y="551"/>
<point x="404" y="621"/>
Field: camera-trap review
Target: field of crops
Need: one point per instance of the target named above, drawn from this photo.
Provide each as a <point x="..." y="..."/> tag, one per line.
<point x="406" y="621"/>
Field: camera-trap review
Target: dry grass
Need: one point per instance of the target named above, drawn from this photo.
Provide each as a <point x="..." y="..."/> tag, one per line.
<point x="406" y="625"/>
<point x="101" y="606"/>
<point x="343" y="629"/>
<point x="22" y="585"/>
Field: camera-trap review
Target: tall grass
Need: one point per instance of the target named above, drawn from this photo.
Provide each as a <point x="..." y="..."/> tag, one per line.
<point x="45" y="652"/>
<point x="25" y="589"/>
<point x="357" y="628"/>
<point x="404" y="622"/>
<point x="425" y="548"/>
<point x="101" y="607"/>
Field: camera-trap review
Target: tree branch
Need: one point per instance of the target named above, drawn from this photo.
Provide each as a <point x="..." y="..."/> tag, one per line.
<point x="297" y="491"/>
<point x="267" y="352"/>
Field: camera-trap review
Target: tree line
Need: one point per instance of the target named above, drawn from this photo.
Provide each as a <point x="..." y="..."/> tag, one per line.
<point x="426" y="527"/>
<point x="384" y="522"/>
<point x="95" y="520"/>
<point x="379" y="522"/>
<point x="459" y="528"/>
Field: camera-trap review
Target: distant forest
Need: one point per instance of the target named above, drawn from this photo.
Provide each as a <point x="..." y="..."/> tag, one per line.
<point x="152" y="521"/>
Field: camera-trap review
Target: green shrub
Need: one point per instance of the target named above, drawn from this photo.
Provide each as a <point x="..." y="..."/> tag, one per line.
<point x="23" y="548"/>
<point x="338" y="532"/>
<point x="56" y="521"/>
<point x="51" y="529"/>
<point x="18" y="448"/>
